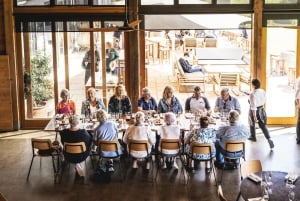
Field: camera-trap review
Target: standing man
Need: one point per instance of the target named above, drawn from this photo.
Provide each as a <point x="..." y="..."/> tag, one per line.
<point x="147" y="103"/>
<point x="257" y="112"/>
<point x="86" y="63"/>
<point x="197" y="103"/>
<point x="225" y="103"/>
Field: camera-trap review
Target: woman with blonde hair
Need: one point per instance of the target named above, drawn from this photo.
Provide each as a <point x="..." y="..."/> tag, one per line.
<point x="297" y="104"/>
<point x="169" y="103"/>
<point x="119" y="102"/>
<point x="92" y="103"/>
<point x="139" y="131"/>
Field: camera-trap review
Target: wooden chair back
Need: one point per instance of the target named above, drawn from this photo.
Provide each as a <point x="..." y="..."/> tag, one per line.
<point x="251" y="166"/>
<point x="138" y="145"/>
<point x="74" y="147"/>
<point x="235" y="145"/>
<point x="41" y="144"/>
<point x="170" y="144"/>
<point x="201" y="148"/>
<point x="107" y="145"/>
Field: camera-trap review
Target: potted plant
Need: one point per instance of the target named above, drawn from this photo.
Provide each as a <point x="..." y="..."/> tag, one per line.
<point x="38" y="83"/>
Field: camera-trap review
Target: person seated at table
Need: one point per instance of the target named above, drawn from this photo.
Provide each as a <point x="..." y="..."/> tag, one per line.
<point x="170" y="130"/>
<point x="106" y="130"/>
<point x="234" y="131"/>
<point x="225" y="103"/>
<point x="119" y="102"/>
<point x="147" y="103"/>
<point x="169" y="103"/>
<point x="197" y="103"/>
<point x="66" y="105"/>
<point x="186" y="66"/>
<point x="139" y="131"/>
<point x="76" y="134"/>
<point x="91" y="104"/>
<point x="202" y="135"/>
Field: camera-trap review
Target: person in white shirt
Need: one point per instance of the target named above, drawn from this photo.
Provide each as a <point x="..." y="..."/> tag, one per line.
<point x="197" y="103"/>
<point x="170" y="130"/>
<point x="257" y="112"/>
<point x="139" y="131"/>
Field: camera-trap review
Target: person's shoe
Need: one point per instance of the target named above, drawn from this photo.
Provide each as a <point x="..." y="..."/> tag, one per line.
<point x="252" y="139"/>
<point x="207" y="170"/>
<point x="175" y="165"/>
<point x="271" y="143"/>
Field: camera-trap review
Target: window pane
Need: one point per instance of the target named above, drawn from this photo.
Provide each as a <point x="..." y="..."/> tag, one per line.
<point x="157" y="2"/>
<point x="281" y="71"/>
<point x="39" y="102"/>
<point x="282" y="22"/>
<point x="33" y="3"/>
<point x="194" y="2"/>
<point x="71" y="2"/>
<point x="280" y="1"/>
<point x="108" y="2"/>
<point x="233" y="1"/>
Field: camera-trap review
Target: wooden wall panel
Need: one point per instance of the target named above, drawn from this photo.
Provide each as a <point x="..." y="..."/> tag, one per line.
<point x="6" y="114"/>
<point x="2" y="35"/>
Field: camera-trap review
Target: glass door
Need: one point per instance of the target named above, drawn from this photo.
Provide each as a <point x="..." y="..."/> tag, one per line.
<point x="281" y="68"/>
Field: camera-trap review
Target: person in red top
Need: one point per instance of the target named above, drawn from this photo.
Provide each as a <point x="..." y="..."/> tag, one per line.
<point x="65" y="106"/>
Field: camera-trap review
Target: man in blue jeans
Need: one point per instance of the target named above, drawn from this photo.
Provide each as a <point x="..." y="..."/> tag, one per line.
<point x="234" y="131"/>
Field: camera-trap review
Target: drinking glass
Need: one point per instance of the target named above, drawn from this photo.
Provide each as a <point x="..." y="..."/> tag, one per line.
<point x="264" y="190"/>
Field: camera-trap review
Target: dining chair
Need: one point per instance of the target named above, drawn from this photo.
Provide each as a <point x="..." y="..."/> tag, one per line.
<point x="220" y="193"/>
<point x="43" y="148"/>
<point x="203" y="149"/>
<point x="140" y="146"/>
<point x="233" y="146"/>
<point x="110" y="146"/>
<point x="248" y="167"/>
<point x="76" y="149"/>
<point x="168" y="145"/>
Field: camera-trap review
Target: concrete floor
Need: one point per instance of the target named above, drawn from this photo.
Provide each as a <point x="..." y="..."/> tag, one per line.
<point x="15" y="156"/>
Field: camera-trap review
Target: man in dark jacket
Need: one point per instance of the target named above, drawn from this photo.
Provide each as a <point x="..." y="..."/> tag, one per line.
<point x="186" y="66"/>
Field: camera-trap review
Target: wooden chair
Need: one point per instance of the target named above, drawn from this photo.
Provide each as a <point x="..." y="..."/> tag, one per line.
<point x="75" y="148"/>
<point x="110" y="146"/>
<point x="228" y="80"/>
<point x="220" y="193"/>
<point x="230" y="147"/>
<point x="43" y="148"/>
<point x="141" y="145"/>
<point x="248" y="167"/>
<point x="168" y="145"/>
<point x="203" y="148"/>
<point x="189" y="79"/>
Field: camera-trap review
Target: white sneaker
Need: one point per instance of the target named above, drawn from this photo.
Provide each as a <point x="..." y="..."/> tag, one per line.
<point x="79" y="170"/>
<point x="175" y="165"/>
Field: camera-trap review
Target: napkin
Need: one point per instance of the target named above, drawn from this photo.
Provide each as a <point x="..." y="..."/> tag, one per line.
<point x="254" y="178"/>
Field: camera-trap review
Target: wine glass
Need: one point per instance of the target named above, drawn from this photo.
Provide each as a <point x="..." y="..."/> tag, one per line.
<point x="291" y="194"/>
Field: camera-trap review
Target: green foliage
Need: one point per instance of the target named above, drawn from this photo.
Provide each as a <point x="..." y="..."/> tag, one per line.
<point x="41" y="84"/>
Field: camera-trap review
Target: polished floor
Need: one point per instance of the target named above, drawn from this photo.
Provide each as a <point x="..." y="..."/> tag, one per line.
<point x="15" y="156"/>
